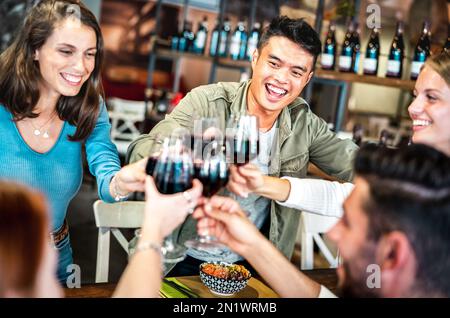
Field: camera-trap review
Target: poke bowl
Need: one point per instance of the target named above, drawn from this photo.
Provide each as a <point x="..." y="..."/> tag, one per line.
<point x="224" y="279"/>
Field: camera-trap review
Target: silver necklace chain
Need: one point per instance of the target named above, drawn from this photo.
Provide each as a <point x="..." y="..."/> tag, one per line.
<point x="38" y="131"/>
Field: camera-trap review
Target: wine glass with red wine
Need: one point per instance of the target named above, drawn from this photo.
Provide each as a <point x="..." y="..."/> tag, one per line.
<point x="173" y="173"/>
<point x="210" y="168"/>
<point x="242" y="139"/>
<point x="155" y="154"/>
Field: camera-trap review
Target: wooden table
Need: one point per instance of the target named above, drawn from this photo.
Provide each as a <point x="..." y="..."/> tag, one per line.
<point x="255" y="288"/>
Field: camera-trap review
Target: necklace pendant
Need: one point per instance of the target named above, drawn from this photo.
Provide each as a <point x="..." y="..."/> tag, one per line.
<point x="45" y="135"/>
<point x="37" y="132"/>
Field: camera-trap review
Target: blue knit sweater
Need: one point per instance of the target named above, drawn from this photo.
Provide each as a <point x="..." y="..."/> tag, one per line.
<point x="58" y="173"/>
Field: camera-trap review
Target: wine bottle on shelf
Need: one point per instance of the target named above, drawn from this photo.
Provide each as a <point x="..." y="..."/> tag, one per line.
<point x="238" y="40"/>
<point x="224" y="38"/>
<point x="372" y="54"/>
<point x="174" y="41"/>
<point x="200" y="37"/>
<point x="356" y="48"/>
<point x="346" y="57"/>
<point x="253" y="40"/>
<point x="422" y="51"/>
<point x="244" y="40"/>
<point x="213" y="46"/>
<point x="396" y="54"/>
<point x="187" y="39"/>
<point x="328" y="59"/>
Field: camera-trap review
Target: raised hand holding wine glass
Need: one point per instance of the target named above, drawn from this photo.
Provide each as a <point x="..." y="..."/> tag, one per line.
<point x="210" y="167"/>
<point x="173" y="173"/>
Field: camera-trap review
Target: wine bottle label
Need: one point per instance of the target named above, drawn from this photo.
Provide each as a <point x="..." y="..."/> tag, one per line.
<point x="234" y="46"/>
<point x="213" y="46"/>
<point x="370" y="65"/>
<point x="356" y="66"/>
<point x="327" y="60"/>
<point x="393" y="67"/>
<point x="200" y="40"/>
<point x="174" y="42"/>
<point x="223" y="44"/>
<point x="415" y="68"/>
<point x="345" y="63"/>
<point x="252" y="43"/>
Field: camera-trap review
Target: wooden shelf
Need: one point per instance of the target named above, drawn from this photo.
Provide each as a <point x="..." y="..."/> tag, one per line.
<point x="177" y="55"/>
<point x="365" y="79"/>
<point x="227" y="62"/>
<point x="233" y="63"/>
<point x="331" y="75"/>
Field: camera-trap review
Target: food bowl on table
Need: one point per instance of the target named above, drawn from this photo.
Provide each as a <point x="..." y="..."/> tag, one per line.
<point x="224" y="279"/>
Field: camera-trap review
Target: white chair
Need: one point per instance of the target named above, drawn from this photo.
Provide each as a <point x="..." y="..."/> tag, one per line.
<point x="109" y="217"/>
<point x="125" y="117"/>
<point x="311" y="226"/>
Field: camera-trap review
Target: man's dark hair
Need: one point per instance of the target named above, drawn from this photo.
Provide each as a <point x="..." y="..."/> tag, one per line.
<point x="296" y="30"/>
<point x="410" y="192"/>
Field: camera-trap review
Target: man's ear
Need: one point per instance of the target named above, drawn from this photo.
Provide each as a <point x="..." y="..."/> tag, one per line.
<point x="310" y="75"/>
<point x="394" y="250"/>
<point x="397" y="261"/>
<point x="255" y="57"/>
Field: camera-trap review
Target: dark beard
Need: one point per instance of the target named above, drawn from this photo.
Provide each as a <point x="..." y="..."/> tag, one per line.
<point x="355" y="281"/>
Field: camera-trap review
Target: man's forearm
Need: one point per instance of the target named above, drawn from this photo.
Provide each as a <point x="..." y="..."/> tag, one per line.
<point x="274" y="188"/>
<point x="279" y="272"/>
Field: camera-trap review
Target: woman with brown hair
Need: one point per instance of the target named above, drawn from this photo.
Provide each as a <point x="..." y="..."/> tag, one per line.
<point x="28" y="261"/>
<point x="51" y="107"/>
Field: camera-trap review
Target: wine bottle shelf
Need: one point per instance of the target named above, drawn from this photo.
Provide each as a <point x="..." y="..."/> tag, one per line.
<point x="325" y="74"/>
<point x="176" y="55"/>
<point x="166" y="53"/>
<point x="366" y="79"/>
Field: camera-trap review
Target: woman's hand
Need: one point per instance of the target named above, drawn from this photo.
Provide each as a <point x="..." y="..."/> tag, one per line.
<point x="224" y="218"/>
<point x="245" y="179"/>
<point x="163" y="213"/>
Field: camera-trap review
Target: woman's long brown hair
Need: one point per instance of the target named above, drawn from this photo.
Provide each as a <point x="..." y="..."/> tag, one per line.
<point x="20" y="75"/>
<point x="24" y="229"/>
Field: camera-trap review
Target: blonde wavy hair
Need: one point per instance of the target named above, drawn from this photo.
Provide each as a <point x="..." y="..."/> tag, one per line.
<point x="440" y="63"/>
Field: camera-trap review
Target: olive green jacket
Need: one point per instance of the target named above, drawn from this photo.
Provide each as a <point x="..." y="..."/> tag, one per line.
<point x="302" y="137"/>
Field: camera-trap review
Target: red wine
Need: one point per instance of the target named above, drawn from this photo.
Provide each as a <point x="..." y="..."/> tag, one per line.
<point x="328" y="59"/>
<point x="151" y="164"/>
<point x="213" y="175"/>
<point x="372" y="54"/>
<point x="396" y="54"/>
<point x="422" y="51"/>
<point x="173" y="177"/>
<point x="244" y="151"/>
<point x="208" y="146"/>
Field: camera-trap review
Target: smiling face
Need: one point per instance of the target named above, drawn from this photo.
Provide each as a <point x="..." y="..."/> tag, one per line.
<point x="67" y="58"/>
<point x="430" y="111"/>
<point x="281" y="69"/>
